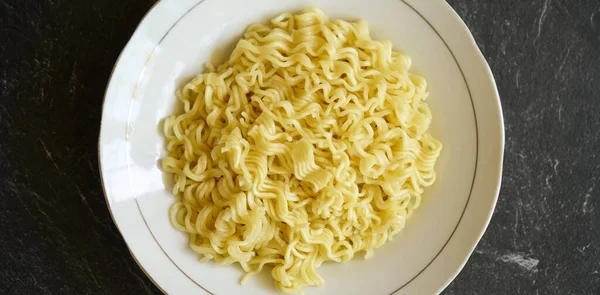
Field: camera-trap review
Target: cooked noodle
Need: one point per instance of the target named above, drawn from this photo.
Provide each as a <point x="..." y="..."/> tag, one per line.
<point x="309" y="144"/>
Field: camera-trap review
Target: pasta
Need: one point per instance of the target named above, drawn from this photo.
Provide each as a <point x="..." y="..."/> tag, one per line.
<point x="310" y="144"/>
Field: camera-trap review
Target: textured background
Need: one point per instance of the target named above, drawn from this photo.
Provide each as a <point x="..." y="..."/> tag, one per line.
<point x="56" y="235"/>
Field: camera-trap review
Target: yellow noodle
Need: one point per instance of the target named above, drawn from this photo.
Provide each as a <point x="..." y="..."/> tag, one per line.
<point x="308" y="145"/>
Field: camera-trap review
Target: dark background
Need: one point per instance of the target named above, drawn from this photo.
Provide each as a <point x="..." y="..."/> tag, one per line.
<point x="56" y="234"/>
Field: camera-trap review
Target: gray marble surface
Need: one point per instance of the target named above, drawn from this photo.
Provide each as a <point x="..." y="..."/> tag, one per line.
<point x="57" y="237"/>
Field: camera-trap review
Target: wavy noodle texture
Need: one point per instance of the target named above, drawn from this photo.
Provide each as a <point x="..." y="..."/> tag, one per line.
<point x="308" y="145"/>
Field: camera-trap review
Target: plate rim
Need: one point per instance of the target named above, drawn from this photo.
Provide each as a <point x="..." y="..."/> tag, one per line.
<point x="412" y="4"/>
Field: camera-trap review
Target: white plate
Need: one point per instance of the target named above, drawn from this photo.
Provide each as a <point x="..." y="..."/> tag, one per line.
<point x="178" y="36"/>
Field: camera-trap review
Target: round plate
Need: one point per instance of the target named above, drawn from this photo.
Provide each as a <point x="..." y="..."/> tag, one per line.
<point x="178" y="37"/>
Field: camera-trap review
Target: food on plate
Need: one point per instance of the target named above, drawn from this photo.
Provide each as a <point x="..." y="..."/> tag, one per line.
<point x="309" y="144"/>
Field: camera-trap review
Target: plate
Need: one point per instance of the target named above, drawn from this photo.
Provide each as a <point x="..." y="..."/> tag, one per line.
<point x="175" y="40"/>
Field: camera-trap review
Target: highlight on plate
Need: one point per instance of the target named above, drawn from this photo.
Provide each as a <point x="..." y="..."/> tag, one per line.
<point x="310" y="144"/>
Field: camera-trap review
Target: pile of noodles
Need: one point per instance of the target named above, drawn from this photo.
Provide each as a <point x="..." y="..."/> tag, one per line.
<point x="310" y="144"/>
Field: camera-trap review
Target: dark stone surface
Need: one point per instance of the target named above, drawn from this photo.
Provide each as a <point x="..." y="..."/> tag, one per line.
<point x="56" y="234"/>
